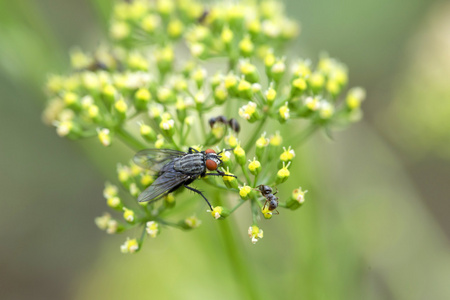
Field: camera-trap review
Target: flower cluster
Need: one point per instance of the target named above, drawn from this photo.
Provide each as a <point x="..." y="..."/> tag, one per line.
<point x="139" y="90"/>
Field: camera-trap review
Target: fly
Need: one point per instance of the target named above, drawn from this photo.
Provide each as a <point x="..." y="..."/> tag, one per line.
<point x="175" y="169"/>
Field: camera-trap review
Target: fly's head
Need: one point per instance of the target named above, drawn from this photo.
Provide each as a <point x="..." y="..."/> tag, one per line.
<point x="213" y="160"/>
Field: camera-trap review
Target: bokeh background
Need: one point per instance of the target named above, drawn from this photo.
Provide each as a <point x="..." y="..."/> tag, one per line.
<point x="375" y="224"/>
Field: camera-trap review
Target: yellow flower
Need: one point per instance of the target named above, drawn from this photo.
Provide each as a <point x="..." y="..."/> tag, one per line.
<point x="255" y="233"/>
<point x="130" y="246"/>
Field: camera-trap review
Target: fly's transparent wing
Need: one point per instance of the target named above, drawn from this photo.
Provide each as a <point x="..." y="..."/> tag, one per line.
<point x="163" y="185"/>
<point x="155" y="159"/>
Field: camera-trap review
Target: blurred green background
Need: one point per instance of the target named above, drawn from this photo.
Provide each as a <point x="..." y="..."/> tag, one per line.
<point x="375" y="224"/>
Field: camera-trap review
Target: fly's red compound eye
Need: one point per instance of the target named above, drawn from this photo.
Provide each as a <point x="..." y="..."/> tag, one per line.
<point x="209" y="151"/>
<point x="211" y="165"/>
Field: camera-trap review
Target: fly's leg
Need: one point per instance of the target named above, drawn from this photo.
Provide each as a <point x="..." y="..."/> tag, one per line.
<point x="200" y="193"/>
<point x="221" y="173"/>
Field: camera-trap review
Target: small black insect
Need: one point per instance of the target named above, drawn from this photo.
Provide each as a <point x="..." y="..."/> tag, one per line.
<point x="203" y="16"/>
<point x="266" y="191"/>
<point x="175" y="169"/>
<point x="233" y="123"/>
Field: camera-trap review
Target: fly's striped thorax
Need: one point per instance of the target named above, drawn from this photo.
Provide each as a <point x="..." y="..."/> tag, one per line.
<point x="192" y="164"/>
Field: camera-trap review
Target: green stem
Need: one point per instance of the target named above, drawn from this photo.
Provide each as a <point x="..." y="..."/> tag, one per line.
<point x="244" y="170"/>
<point x="141" y="239"/>
<point x="255" y="180"/>
<point x="234" y="252"/>
<point x="129" y="139"/>
<point x="305" y="135"/>
<point x="255" y="135"/>
<point x="237" y="206"/>
<point x="202" y="124"/>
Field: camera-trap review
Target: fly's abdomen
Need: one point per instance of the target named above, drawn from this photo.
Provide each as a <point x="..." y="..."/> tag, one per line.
<point x="192" y="164"/>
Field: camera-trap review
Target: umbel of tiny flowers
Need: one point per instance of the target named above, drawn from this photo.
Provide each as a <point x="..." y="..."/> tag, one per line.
<point x="148" y="97"/>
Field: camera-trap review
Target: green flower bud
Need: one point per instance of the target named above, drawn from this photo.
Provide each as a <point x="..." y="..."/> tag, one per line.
<point x="147" y="132"/>
<point x="137" y="62"/>
<point x="230" y="181"/>
<point x="146" y="179"/>
<point x="150" y="23"/>
<point x="226" y="36"/>
<point x="246" y="46"/>
<point x="245" y="89"/>
<point x="216" y="80"/>
<point x="297" y="199"/>
<point x="164" y="58"/>
<point x="110" y="190"/>
<point x="93" y="113"/>
<point x="249" y="70"/>
<point x="316" y="81"/>
<point x="155" y="112"/>
<point x="71" y="100"/>
<point x="245" y="192"/>
<point x="333" y="87"/>
<point x="169" y="201"/>
<point x="249" y="112"/>
<point x="134" y="190"/>
<point x="302" y="68"/>
<point x="181" y="109"/>
<point x="231" y="83"/>
<point x="199" y="76"/>
<point x="121" y="107"/>
<point x="298" y="86"/>
<point x="231" y="140"/>
<point x="269" y="60"/>
<point x="115" y="203"/>
<point x="102" y="222"/>
<point x="226" y="159"/>
<point x="199" y="99"/>
<point x="354" y="97"/>
<point x="190" y="222"/>
<point x="104" y="136"/>
<point x="123" y="173"/>
<point x="165" y="95"/>
<point x="283" y="113"/>
<point x="261" y="143"/>
<point x="312" y="103"/>
<point x="160" y="142"/>
<point x="270" y="95"/>
<point x="197" y="50"/>
<point x="277" y="70"/>
<point x="220" y="94"/>
<point x="129" y="215"/>
<point x="326" y="110"/>
<point x="175" y="28"/>
<point x="254" y="166"/>
<point x="141" y="98"/>
<point x="219" y="212"/>
<point x="287" y="155"/>
<point x="109" y="93"/>
<point x="165" y="7"/>
<point x="239" y="154"/>
<point x="167" y="126"/>
<point x="119" y="30"/>
<point x="283" y="174"/>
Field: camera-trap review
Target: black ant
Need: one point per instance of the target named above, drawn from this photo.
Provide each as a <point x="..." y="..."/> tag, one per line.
<point x="266" y="191"/>
<point x="234" y="125"/>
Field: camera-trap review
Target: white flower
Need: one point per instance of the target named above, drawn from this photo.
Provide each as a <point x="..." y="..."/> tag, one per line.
<point x="152" y="228"/>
